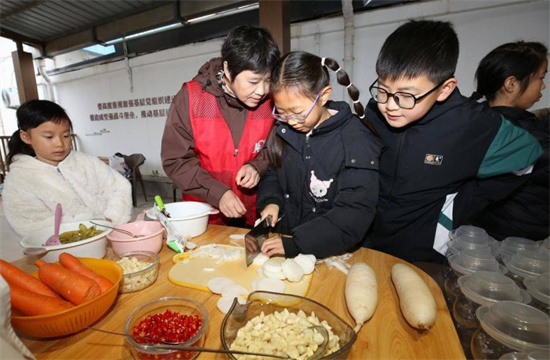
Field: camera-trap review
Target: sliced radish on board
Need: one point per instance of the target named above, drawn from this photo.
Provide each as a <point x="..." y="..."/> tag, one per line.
<point x="274" y="275"/>
<point x="305" y="263"/>
<point x="260" y="259"/>
<point x="217" y="284"/>
<point x="273" y="285"/>
<point x="234" y="291"/>
<point x="292" y="270"/>
<point x="272" y="265"/>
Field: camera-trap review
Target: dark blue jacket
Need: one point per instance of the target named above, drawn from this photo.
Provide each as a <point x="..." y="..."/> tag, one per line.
<point x="525" y="212"/>
<point x="327" y="185"/>
<point x="424" y="165"/>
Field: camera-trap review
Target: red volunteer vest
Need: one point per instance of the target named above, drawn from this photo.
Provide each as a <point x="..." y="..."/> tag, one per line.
<point x="214" y="144"/>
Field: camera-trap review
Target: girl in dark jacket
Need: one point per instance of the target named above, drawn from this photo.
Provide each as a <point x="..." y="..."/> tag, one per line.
<point x="323" y="180"/>
<point x="511" y="78"/>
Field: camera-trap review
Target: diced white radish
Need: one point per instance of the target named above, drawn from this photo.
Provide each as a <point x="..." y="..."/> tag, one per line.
<point x="361" y="293"/>
<point x="274" y="275"/>
<point x="273" y="285"/>
<point x="415" y="298"/>
<point x="292" y="270"/>
<point x="254" y="284"/>
<point x="260" y="259"/>
<point x="236" y="236"/>
<point x="234" y="290"/>
<point x="225" y="303"/>
<point x="272" y="265"/>
<point x="217" y="284"/>
<point x="190" y="245"/>
<point x="305" y="263"/>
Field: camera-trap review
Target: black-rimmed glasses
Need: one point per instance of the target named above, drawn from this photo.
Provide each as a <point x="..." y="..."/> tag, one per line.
<point x="297" y="118"/>
<point x="404" y="100"/>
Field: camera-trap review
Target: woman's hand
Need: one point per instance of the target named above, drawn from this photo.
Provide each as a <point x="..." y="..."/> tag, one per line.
<point x="247" y="176"/>
<point x="231" y="206"/>
<point x="273" y="246"/>
<point x="272" y="210"/>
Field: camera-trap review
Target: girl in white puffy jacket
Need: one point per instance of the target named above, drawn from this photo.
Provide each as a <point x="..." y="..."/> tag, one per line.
<point x="44" y="171"/>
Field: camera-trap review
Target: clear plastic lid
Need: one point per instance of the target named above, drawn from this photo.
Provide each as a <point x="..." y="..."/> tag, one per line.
<point x="532" y="355"/>
<point x="545" y="245"/>
<point x="539" y="287"/>
<point x="457" y="246"/>
<point x="512" y="245"/>
<point x="469" y="233"/>
<point x="527" y="263"/>
<point x="518" y="326"/>
<point x="471" y="260"/>
<point x="486" y="288"/>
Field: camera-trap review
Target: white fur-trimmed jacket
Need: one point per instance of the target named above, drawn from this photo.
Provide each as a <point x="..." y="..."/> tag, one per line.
<point x="85" y="186"/>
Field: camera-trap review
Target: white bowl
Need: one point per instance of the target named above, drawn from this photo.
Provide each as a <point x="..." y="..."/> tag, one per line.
<point x="188" y="217"/>
<point x="94" y="247"/>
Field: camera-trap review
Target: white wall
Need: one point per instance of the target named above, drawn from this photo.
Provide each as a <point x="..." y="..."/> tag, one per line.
<point x="481" y="25"/>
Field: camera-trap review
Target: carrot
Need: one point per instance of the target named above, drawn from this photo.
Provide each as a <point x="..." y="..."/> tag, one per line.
<point x="31" y="303"/>
<point x="73" y="263"/>
<point x="70" y="285"/>
<point x="15" y="276"/>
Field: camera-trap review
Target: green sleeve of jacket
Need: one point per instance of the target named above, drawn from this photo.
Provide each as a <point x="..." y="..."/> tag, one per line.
<point x="512" y="149"/>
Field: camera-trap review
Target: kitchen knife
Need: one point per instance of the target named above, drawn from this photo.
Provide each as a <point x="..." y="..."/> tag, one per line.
<point x="255" y="238"/>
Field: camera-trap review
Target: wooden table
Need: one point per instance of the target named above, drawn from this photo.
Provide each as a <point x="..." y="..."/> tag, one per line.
<point x="386" y="336"/>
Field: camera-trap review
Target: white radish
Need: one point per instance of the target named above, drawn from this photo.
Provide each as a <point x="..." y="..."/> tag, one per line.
<point x="273" y="285"/>
<point x="361" y="293"/>
<point x="233" y="291"/>
<point x="217" y="284"/>
<point x="260" y="259"/>
<point x="293" y="272"/>
<point x="415" y="298"/>
<point x="254" y="284"/>
<point x="272" y="265"/>
<point x="305" y="263"/>
<point x="225" y="302"/>
<point x="274" y="275"/>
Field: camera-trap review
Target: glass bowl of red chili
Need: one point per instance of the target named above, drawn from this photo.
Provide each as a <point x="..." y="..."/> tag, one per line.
<point x="168" y="319"/>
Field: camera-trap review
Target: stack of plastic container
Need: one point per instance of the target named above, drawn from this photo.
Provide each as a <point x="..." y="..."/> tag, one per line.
<point x="539" y="289"/>
<point x="526" y="263"/>
<point x="467" y="262"/>
<point x="513" y="245"/>
<point x="508" y="327"/>
<point x="477" y="289"/>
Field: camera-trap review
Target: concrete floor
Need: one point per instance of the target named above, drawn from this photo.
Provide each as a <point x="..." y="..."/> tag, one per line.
<point x="10" y="250"/>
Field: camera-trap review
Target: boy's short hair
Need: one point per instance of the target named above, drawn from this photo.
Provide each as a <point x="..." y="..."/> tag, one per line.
<point x="419" y="47"/>
<point x="251" y="48"/>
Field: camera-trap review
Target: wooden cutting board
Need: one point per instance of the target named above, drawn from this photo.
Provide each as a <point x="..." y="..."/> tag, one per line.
<point x="195" y="272"/>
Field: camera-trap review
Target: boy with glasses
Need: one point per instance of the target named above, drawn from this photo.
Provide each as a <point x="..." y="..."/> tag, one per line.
<point x="435" y="141"/>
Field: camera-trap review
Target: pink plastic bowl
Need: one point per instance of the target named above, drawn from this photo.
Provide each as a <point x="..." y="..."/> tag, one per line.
<point x="151" y="240"/>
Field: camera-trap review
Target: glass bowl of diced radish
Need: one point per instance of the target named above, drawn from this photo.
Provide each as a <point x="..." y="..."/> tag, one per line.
<point x="283" y="320"/>
<point x="140" y="268"/>
<point x="169" y="319"/>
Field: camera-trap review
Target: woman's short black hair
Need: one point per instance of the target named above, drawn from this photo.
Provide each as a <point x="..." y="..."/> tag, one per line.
<point x="251" y="48"/>
<point x="519" y="59"/>
<point x="419" y="48"/>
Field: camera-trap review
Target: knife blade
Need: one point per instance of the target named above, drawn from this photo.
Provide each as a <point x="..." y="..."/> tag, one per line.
<point x="255" y="238"/>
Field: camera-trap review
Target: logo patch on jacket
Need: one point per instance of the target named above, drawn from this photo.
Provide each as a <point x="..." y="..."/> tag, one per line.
<point x="432" y="159"/>
<point x="318" y="188"/>
<point x="258" y="146"/>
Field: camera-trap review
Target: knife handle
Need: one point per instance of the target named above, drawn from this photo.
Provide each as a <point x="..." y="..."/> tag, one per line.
<point x="159" y="202"/>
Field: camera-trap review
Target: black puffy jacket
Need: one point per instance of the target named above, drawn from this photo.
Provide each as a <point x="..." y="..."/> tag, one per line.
<point x="327" y="186"/>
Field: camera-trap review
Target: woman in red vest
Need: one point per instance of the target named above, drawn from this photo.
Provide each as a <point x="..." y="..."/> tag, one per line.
<point x="213" y="142"/>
